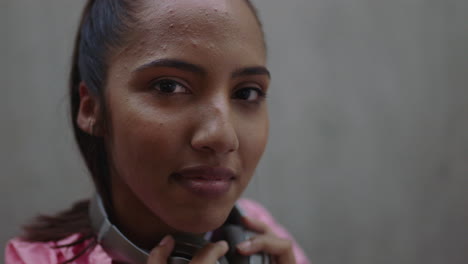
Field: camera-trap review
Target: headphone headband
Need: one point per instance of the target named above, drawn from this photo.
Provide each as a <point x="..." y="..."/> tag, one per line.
<point x="114" y="242"/>
<point x="121" y="249"/>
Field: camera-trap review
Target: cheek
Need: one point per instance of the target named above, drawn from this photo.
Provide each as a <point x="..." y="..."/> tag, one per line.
<point x="144" y="144"/>
<point x="253" y="137"/>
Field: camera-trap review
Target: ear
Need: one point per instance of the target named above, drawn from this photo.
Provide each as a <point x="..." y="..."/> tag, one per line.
<point x="89" y="112"/>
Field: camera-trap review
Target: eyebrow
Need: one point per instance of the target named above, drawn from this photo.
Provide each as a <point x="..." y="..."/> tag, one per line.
<point x="190" y="67"/>
<point x="172" y="63"/>
<point x="256" y="70"/>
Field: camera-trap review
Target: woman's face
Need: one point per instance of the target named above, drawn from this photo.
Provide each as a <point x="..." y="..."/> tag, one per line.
<point x="188" y="119"/>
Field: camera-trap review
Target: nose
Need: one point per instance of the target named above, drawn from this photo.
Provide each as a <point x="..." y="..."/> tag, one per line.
<point x="215" y="132"/>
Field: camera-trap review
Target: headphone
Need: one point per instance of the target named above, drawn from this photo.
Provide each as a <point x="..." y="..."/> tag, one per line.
<point x="121" y="249"/>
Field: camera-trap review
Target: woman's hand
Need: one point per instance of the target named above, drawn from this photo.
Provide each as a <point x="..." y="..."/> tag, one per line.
<point x="209" y="254"/>
<point x="280" y="250"/>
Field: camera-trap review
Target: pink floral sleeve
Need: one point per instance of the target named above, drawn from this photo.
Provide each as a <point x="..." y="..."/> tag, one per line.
<point x="22" y="252"/>
<point x="255" y="210"/>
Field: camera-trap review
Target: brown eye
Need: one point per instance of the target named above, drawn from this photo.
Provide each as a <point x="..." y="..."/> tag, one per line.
<point x="249" y="94"/>
<point x="169" y="86"/>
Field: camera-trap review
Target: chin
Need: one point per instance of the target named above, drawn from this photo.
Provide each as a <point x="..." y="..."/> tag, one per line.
<point x="201" y="222"/>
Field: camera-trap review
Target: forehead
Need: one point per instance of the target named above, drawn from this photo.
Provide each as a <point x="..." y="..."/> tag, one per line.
<point x="196" y="14"/>
<point x="163" y="24"/>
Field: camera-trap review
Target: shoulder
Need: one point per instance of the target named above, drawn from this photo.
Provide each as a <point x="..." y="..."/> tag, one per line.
<point x="18" y="251"/>
<point x="255" y="210"/>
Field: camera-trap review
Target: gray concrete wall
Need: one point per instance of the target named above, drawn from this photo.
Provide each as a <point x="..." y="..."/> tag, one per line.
<point x="368" y="155"/>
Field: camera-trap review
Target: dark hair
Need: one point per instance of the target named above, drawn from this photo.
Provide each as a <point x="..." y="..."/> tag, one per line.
<point x="104" y="27"/>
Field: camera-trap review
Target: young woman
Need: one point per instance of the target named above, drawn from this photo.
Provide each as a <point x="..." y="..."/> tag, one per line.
<point x="169" y="112"/>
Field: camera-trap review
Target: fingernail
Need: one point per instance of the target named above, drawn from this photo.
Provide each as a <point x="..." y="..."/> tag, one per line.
<point x="244" y="245"/>
<point x="164" y="241"/>
<point x="223" y="243"/>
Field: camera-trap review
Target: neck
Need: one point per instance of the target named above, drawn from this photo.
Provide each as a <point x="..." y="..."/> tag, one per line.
<point x="141" y="226"/>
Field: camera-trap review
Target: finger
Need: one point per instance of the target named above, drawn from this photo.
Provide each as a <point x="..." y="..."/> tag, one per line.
<point x="161" y="253"/>
<point x="267" y="243"/>
<point x="255" y="225"/>
<point x="279" y="248"/>
<point x="210" y="253"/>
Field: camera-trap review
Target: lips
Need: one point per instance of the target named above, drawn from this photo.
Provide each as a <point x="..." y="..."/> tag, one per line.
<point x="205" y="181"/>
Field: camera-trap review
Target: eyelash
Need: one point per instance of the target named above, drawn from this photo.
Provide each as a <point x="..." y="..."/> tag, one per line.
<point x="260" y="93"/>
<point x="174" y="82"/>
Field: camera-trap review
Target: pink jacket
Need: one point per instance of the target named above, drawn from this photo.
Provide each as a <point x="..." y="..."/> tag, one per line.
<point x="21" y="252"/>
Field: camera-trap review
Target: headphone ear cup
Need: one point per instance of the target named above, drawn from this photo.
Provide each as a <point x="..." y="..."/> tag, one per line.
<point x="186" y="247"/>
<point x="234" y="235"/>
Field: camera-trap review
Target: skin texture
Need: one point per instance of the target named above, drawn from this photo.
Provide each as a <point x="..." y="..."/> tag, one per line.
<point x="151" y="135"/>
<point x="215" y="117"/>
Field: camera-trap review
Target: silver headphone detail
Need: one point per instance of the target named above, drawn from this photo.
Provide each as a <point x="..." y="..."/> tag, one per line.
<point x="121" y="249"/>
